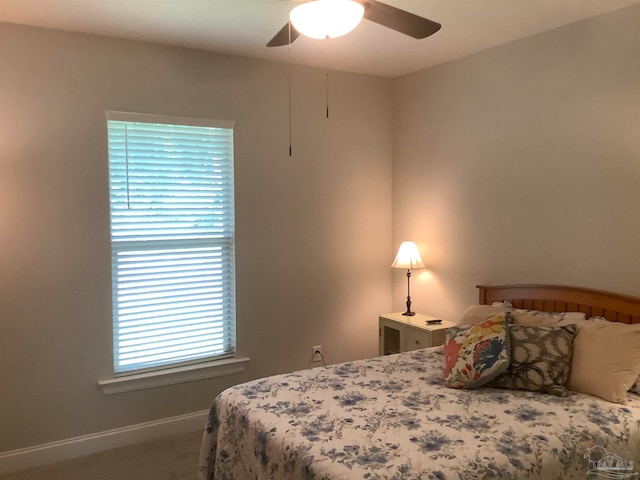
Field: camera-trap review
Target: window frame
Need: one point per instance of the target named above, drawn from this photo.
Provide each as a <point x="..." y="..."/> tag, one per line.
<point x="187" y="370"/>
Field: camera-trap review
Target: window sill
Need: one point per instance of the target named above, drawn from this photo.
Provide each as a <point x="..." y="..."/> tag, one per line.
<point x="172" y="376"/>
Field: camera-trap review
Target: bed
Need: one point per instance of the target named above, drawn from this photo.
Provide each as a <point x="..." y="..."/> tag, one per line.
<point x="392" y="418"/>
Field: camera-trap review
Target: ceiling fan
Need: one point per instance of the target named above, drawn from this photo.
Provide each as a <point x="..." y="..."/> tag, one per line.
<point x="377" y="12"/>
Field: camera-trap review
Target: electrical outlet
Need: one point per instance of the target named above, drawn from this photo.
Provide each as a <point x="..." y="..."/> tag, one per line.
<point x="316" y="353"/>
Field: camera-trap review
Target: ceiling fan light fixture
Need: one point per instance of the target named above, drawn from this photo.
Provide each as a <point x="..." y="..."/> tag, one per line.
<point x="326" y="18"/>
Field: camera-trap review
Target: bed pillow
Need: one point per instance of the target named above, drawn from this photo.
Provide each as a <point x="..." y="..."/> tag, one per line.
<point x="606" y="359"/>
<point x="479" y="313"/>
<point x="505" y="303"/>
<point x="635" y="388"/>
<point x="476" y="354"/>
<point x="540" y="359"/>
<point x="544" y="319"/>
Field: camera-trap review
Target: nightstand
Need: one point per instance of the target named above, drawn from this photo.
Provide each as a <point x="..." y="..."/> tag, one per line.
<point x="400" y="333"/>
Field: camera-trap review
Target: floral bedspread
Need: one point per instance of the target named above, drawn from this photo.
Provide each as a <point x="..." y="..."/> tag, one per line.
<point x="392" y="418"/>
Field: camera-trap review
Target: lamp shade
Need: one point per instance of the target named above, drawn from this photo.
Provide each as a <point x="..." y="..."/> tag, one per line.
<point x="408" y="257"/>
<point x="326" y="18"/>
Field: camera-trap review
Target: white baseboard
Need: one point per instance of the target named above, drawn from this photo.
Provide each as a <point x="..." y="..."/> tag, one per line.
<point x="48" y="453"/>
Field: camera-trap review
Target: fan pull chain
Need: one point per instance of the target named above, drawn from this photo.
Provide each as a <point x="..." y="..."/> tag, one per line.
<point x="289" y="62"/>
<point x="327" y="93"/>
<point x="327" y="73"/>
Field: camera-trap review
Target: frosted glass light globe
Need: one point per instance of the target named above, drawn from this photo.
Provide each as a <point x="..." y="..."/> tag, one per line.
<point x="326" y="18"/>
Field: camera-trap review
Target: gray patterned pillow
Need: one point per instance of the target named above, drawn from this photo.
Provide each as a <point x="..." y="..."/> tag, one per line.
<point x="540" y="359"/>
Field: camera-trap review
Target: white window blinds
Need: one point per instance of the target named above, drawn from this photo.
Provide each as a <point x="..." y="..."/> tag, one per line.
<point x="172" y="240"/>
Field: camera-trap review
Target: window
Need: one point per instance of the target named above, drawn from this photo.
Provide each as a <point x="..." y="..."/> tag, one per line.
<point x="172" y="240"/>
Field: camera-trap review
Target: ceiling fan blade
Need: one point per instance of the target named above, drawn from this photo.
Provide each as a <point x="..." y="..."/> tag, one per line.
<point x="399" y="20"/>
<point x="282" y="37"/>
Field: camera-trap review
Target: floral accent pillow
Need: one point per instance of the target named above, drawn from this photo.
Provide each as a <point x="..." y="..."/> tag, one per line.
<point x="476" y="354"/>
<point x="540" y="359"/>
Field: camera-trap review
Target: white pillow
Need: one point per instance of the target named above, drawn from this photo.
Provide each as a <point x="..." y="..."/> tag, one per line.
<point x="502" y="304"/>
<point x="635" y="388"/>
<point x="544" y="319"/>
<point x="606" y="360"/>
<point x="479" y="313"/>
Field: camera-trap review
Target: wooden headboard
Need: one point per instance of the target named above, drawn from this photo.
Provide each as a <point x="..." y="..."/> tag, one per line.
<point x="558" y="298"/>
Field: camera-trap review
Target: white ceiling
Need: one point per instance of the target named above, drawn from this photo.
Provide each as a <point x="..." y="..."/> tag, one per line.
<point x="243" y="27"/>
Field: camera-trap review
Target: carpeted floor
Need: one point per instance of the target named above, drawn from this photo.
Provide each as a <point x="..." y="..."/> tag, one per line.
<point x="172" y="458"/>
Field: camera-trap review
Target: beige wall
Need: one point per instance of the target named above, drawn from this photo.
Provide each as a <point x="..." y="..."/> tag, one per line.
<point x="522" y="164"/>
<point x="313" y="231"/>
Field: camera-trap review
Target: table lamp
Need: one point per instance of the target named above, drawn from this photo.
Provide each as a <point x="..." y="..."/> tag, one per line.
<point x="408" y="257"/>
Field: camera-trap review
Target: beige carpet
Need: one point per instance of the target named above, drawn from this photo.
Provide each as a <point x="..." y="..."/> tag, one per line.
<point x="172" y="458"/>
